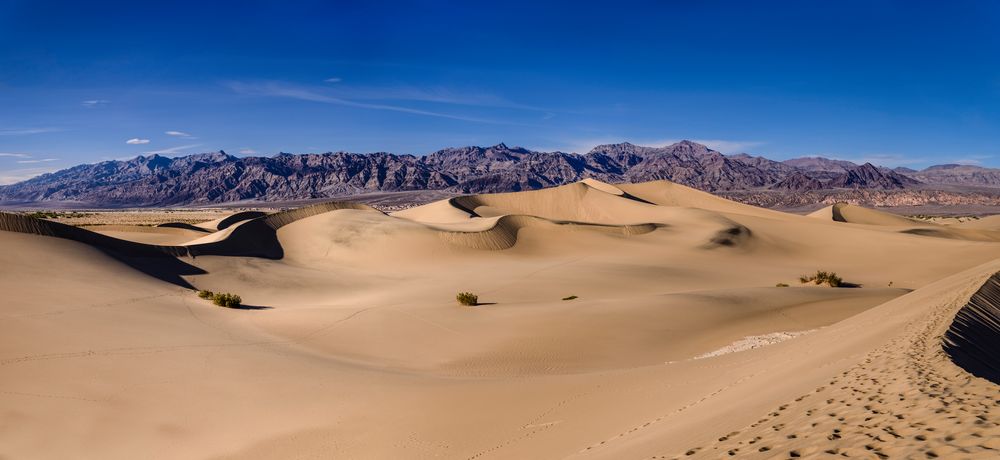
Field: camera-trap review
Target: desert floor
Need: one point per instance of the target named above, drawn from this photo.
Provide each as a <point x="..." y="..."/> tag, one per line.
<point x="679" y="341"/>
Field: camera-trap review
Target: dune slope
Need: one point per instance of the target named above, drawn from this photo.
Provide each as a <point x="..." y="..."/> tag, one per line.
<point x="614" y="323"/>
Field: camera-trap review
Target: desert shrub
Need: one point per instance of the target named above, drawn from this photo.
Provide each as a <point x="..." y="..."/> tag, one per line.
<point x="570" y="297"/>
<point x="225" y="299"/>
<point x="823" y="277"/>
<point x="781" y="285"/>
<point x="467" y="298"/>
<point x="205" y="294"/>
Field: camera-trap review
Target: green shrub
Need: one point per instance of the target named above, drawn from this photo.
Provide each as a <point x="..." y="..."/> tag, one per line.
<point x="570" y="297"/>
<point x="205" y="294"/>
<point x="227" y="300"/>
<point x="781" y="285"/>
<point x="467" y="298"/>
<point x="822" y="277"/>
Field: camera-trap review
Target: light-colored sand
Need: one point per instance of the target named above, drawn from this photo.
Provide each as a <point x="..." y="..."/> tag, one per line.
<point x="357" y="349"/>
<point x="147" y="234"/>
<point x="856" y="215"/>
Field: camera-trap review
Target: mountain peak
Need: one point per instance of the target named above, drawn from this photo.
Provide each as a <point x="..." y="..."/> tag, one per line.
<point x="208" y="157"/>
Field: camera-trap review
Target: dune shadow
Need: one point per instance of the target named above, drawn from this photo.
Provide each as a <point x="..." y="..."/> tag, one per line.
<point x="160" y="266"/>
<point x="250" y="307"/>
<point x="974" y="335"/>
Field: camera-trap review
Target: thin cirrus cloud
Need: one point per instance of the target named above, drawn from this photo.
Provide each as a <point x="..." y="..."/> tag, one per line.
<point x="14" y="155"/>
<point x="440" y="95"/>
<point x="137" y="141"/>
<point x="179" y="134"/>
<point x="95" y="103"/>
<point x="26" y="131"/>
<point x="248" y="151"/>
<point x="974" y="160"/>
<point x="17" y="175"/>
<point x="42" y="160"/>
<point x="172" y="150"/>
<point x="333" y="80"/>
<point x="314" y="95"/>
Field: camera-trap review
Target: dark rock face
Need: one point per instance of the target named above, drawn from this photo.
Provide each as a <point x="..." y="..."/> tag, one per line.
<point x="870" y="176"/>
<point x="217" y="177"/>
<point x="798" y="182"/>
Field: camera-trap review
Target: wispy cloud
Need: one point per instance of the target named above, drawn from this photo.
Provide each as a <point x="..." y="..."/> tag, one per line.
<point x="178" y="134"/>
<point x="137" y="141"/>
<point x="15" y="155"/>
<point x="438" y="95"/>
<point x="26" y="131"/>
<point x="14" y="176"/>
<point x="172" y="150"/>
<point x="248" y="151"/>
<point x="42" y="160"/>
<point x="333" y="80"/>
<point x="95" y="103"/>
<point x="315" y="95"/>
<point x="973" y="160"/>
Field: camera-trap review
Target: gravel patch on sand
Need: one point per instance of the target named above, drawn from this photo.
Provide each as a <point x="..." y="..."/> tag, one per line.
<point x="754" y="341"/>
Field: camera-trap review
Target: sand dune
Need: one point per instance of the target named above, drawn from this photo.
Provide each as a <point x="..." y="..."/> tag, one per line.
<point x="225" y="222"/>
<point x="973" y="338"/>
<point x="160" y="235"/>
<point x="843" y="212"/>
<point x="618" y="321"/>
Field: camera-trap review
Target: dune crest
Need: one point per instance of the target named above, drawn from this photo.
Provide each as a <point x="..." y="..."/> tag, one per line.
<point x="973" y="339"/>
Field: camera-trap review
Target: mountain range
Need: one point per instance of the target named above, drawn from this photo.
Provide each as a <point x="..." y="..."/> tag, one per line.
<point x="219" y="178"/>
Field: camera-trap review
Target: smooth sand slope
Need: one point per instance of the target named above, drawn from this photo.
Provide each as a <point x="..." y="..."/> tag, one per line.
<point x="851" y="214"/>
<point x="352" y="345"/>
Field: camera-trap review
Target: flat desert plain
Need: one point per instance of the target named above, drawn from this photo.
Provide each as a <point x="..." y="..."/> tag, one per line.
<point x="614" y="321"/>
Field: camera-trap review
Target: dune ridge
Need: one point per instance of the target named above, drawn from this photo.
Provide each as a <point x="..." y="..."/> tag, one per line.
<point x="973" y="339"/>
<point x="503" y="233"/>
<point x="24" y="224"/>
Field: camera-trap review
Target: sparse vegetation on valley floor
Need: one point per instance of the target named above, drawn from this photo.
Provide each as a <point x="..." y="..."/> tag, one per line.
<point x="823" y="277"/>
<point x="222" y="299"/>
<point x="57" y="215"/>
<point x="467" y="299"/>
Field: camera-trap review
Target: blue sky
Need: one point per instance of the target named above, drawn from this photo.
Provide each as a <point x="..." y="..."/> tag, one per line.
<point x="898" y="83"/>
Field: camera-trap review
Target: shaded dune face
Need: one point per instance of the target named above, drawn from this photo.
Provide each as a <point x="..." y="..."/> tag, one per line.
<point x="973" y="340"/>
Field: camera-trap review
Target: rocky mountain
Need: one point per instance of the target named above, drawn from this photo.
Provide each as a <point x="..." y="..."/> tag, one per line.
<point x="798" y="181"/>
<point x="820" y="164"/>
<point x="218" y="177"/>
<point x="870" y="176"/>
<point x="957" y="174"/>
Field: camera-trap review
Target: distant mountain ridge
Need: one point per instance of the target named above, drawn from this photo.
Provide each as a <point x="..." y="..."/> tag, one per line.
<point x="218" y="177"/>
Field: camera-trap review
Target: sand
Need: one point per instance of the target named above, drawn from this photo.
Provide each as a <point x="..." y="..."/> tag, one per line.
<point x="352" y="345"/>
